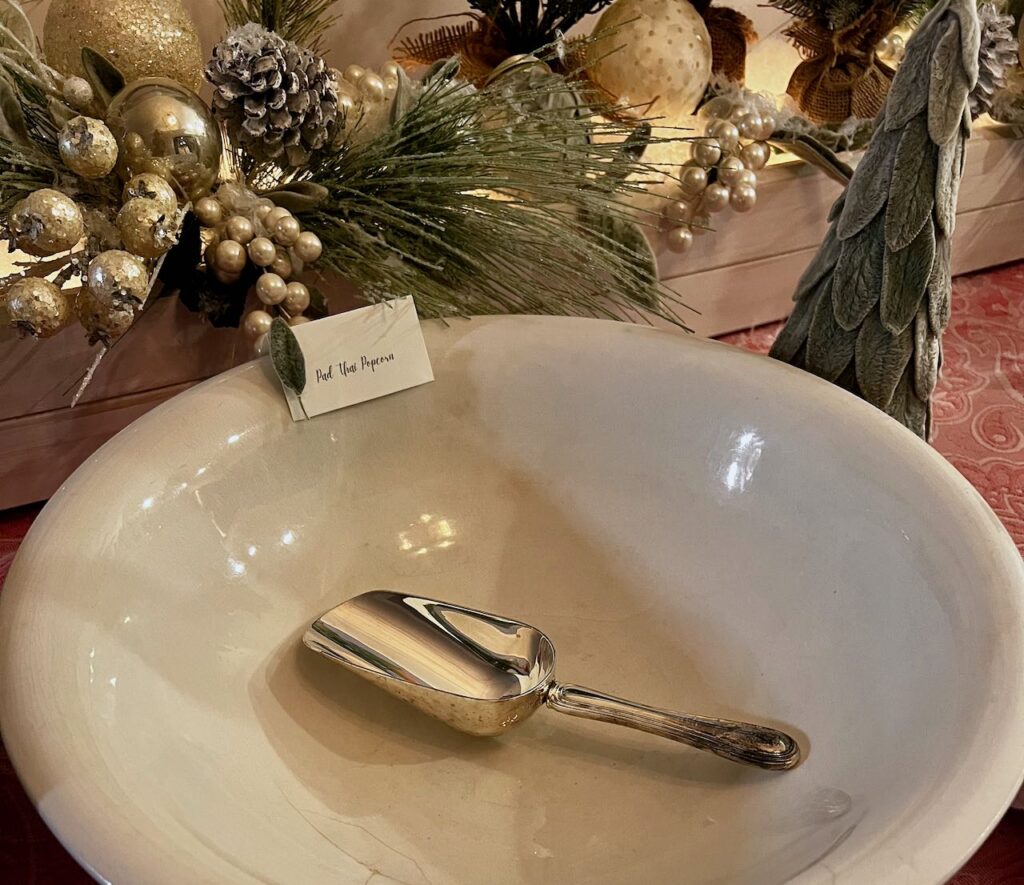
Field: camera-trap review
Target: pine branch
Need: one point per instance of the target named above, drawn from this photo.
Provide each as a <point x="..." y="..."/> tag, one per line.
<point x="483" y="202"/>
<point x="301" y="21"/>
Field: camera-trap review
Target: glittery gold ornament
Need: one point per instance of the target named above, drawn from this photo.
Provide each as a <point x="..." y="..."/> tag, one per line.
<point x="87" y="147"/>
<point x="142" y="38"/>
<point x="37" y="307"/>
<point x="146" y="229"/>
<point x="46" y="222"/>
<point x="102" y="322"/>
<point x="656" y="54"/>
<point x="153" y="187"/>
<point x="164" y="128"/>
<point x="117" y="278"/>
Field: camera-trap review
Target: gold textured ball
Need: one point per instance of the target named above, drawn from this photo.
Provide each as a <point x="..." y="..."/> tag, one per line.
<point x="164" y="128"/>
<point x="142" y="38"/>
<point x="117" y="278"/>
<point x="145" y="228"/>
<point x="87" y="147"/>
<point x="46" y="222"/>
<point x="152" y="187"/>
<point x="654" y="51"/>
<point x="37" y="307"/>
<point x="102" y="322"/>
<point x="78" y="93"/>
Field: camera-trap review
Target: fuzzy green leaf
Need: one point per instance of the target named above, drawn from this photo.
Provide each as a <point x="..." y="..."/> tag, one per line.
<point x="912" y="189"/>
<point x="905" y="278"/>
<point x="868" y="190"/>
<point x="793" y="335"/>
<point x="823" y="263"/>
<point x="857" y="283"/>
<point x="940" y="286"/>
<point x="106" y="79"/>
<point x="948" y="86"/>
<point x="298" y="196"/>
<point x="880" y="360"/>
<point x="13" y="127"/>
<point x="926" y="356"/>
<point x="947" y="183"/>
<point x="830" y="347"/>
<point x="286" y="355"/>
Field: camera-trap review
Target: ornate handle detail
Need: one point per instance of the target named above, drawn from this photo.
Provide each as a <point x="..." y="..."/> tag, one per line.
<point x="738" y="741"/>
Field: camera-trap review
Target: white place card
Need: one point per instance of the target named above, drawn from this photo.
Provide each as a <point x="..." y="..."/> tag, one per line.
<point x="360" y="355"/>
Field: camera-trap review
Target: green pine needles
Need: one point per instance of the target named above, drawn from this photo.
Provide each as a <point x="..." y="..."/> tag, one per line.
<point x="493" y="201"/>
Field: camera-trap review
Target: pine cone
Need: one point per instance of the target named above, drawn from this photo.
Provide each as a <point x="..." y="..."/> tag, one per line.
<point x="277" y="99"/>
<point x="998" y="52"/>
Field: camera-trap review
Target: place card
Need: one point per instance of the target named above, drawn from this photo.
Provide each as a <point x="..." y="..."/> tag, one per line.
<point x="357" y="356"/>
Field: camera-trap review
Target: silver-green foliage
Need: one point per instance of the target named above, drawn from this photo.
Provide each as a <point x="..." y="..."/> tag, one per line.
<point x="871" y="309"/>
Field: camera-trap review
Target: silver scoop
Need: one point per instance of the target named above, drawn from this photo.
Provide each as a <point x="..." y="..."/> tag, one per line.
<point x="484" y="674"/>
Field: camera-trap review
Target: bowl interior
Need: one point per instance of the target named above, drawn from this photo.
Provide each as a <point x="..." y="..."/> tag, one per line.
<point x="694" y="527"/>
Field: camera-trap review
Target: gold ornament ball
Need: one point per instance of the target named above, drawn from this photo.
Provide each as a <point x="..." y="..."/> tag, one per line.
<point x="164" y="128"/>
<point x="142" y="38"/>
<point x="37" y="307"/>
<point x="256" y="323"/>
<point x="308" y="247"/>
<point x="729" y="171"/>
<point x="653" y="51"/>
<point x="262" y="252"/>
<point x="743" y="197"/>
<point x="275" y="215"/>
<point x="715" y="198"/>
<point x="145" y="228"/>
<point x="678" y="212"/>
<point x="706" y="152"/>
<point x="46" y="222"/>
<point x="287" y="230"/>
<point x="209" y="211"/>
<point x="78" y="93"/>
<point x="693" y="180"/>
<point x="117" y="278"/>
<point x="754" y="155"/>
<point x="298" y="320"/>
<point x="87" y="147"/>
<point x="680" y="239"/>
<point x="229" y="257"/>
<point x="102" y="322"/>
<point x="152" y="187"/>
<point x="240" y="229"/>
<point x="271" y="289"/>
<point x="297" y="299"/>
<point x="282" y="264"/>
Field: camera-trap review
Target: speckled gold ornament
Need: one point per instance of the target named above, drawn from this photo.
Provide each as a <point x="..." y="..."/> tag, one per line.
<point x="46" y="222"/>
<point x="87" y="147"/>
<point x="662" y="54"/>
<point x="117" y="278"/>
<point x="164" y="128"/>
<point x="142" y="38"/>
<point x="146" y="228"/>
<point x="102" y="322"/>
<point x="78" y="93"/>
<point x="152" y="187"/>
<point x="37" y="307"/>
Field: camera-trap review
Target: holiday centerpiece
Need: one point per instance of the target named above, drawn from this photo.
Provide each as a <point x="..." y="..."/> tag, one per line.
<point x="121" y="185"/>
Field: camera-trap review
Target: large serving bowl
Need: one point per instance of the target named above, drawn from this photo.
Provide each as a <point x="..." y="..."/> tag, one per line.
<point x="694" y="527"/>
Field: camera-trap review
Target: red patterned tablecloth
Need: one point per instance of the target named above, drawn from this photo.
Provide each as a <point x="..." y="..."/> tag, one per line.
<point x="979" y="428"/>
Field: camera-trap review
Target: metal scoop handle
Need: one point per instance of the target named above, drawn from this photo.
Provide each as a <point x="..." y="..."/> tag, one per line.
<point x="738" y="741"/>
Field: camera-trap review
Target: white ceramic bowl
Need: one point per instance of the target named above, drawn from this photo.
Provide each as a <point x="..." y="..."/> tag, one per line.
<point x="695" y="527"/>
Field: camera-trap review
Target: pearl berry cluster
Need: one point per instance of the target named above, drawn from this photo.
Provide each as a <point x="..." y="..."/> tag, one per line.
<point x="243" y="228"/>
<point x="722" y="169"/>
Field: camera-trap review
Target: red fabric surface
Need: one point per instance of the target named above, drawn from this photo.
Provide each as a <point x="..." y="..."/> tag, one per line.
<point x="979" y="413"/>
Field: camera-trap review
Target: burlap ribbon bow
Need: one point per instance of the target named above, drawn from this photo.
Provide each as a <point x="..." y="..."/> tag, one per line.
<point x="841" y="75"/>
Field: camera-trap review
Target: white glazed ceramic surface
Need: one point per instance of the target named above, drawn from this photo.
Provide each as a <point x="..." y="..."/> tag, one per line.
<point x="695" y="527"/>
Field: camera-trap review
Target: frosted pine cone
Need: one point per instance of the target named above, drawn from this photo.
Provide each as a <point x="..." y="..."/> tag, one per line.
<point x="277" y="99"/>
<point x="998" y="52"/>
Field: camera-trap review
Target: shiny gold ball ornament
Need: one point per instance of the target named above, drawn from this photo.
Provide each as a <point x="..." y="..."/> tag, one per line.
<point x="240" y="229"/>
<point x="152" y="187"/>
<point x="145" y="228"/>
<point x="308" y="247"/>
<point x="271" y="289"/>
<point x="209" y="211"/>
<point x="117" y="278"/>
<point x="103" y="322"/>
<point x="142" y="38"/>
<point x="262" y="252"/>
<point x="164" y="128"/>
<point x="37" y="307"/>
<point x="229" y="257"/>
<point x="661" y="57"/>
<point x="297" y="299"/>
<point x="46" y="222"/>
<point x="87" y="147"/>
